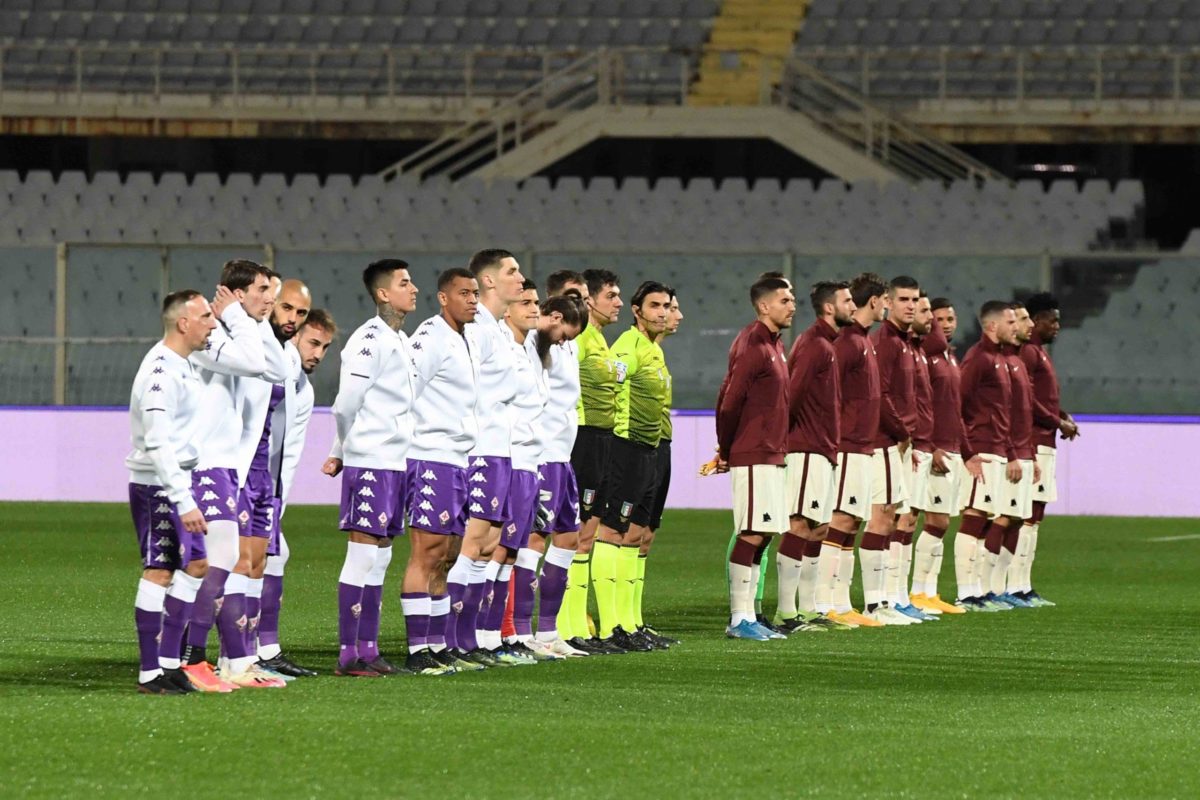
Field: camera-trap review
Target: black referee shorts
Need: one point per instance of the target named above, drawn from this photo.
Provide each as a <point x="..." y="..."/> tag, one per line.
<point x="589" y="459"/>
<point x="662" y="482"/>
<point x="632" y="486"/>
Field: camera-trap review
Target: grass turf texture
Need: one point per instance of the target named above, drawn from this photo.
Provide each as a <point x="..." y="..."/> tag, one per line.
<point x="1093" y="698"/>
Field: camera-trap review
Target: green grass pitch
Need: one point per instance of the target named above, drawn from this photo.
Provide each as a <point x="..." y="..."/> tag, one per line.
<point x="1095" y="698"/>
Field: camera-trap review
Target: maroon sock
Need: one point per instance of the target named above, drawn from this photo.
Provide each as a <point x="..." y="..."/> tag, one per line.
<point x="906" y="538"/>
<point x="1039" y="511"/>
<point x="1011" y="537"/>
<point x="973" y="526"/>
<point x="792" y="546"/>
<point x="994" y="539"/>
<point x="743" y="553"/>
<point x="874" y="541"/>
<point x="936" y="533"/>
<point x="812" y="549"/>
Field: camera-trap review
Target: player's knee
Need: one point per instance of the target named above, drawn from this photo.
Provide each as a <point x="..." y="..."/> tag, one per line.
<point x="161" y="577"/>
<point x="197" y="568"/>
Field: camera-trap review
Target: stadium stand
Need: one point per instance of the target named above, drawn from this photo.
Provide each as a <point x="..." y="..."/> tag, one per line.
<point x="372" y="47"/>
<point x="998" y="48"/>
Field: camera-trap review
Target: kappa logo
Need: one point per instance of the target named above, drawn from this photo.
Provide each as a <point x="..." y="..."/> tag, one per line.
<point x="478" y="477"/>
<point x="163" y="525"/>
<point x="366" y="492"/>
<point x="365" y="352"/>
<point x="444" y="517"/>
<point x="424" y="520"/>
<point x="160" y="358"/>
<point x="207" y="481"/>
<point x="212" y="511"/>
<point x="476" y="508"/>
<point x="209" y="495"/>
<point x="416" y="345"/>
<point x="428" y="491"/>
<point x="163" y="541"/>
<point x="368" y="476"/>
<point x="363" y="522"/>
<point x="365" y="507"/>
<point x="369" y="336"/>
<point x="479" y="462"/>
<point x="477" y="493"/>
<point x="161" y="558"/>
<point x="160" y="494"/>
<point x="356" y="610"/>
<point x="156" y="388"/>
<point x="540" y="477"/>
<point x="162" y="508"/>
<point x="429" y="475"/>
<point x="158" y="371"/>
<point x="426" y="505"/>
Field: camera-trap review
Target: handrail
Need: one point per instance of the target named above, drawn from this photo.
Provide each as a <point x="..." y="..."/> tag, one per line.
<point x="884" y="135"/>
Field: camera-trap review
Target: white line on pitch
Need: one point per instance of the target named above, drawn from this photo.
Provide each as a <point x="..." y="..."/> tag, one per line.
<point x="1183" y="538"/>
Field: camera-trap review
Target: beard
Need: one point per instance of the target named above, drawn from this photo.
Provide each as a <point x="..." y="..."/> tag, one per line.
<point x="280" y="333"/>
<point x="544" y="344"/>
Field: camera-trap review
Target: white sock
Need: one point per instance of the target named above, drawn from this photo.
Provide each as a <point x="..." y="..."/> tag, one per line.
<point x="874" y="575"/>
<point x="505" y="573"/>
<point x="357" y="566"/>
<point x="755" y="576"/>
<point x="460" y="571"/>
<point x="379" y="569"/>
<point x="1000" y="570"/>
<point x="1034" y="532"/>
<point x="845" y="578"/>
<point x="964" y="565"/>
<point x="789" y="583"/>
<point x="923" y="559"/>
<point x="891" y="573"/>
<point x="986" y="562"/>
<point x="237" y="583"/>
<point x="806" y="601"/>
<point x="741" y="594"/>
<point x="439" y="607"/>
<point x="827" y="572"/>
<point x="528" y="559"/>
<point x="931" y="581"/>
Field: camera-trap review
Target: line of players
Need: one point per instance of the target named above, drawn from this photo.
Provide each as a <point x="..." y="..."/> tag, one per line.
<point x="858" y="426"/>
<point x="466" y="431"/>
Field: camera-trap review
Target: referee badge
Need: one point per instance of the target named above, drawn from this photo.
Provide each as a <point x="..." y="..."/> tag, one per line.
<point x="622" y="371"/>
<point x="626" y="510"/>
<point x="588" y="496"/>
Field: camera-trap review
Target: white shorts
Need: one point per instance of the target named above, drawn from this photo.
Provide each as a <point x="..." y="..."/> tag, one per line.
<point x="854" y="485"/>
<point x="918" y="463"/>
<point x="943" y="491"/>
<point x="1046" y="490"/>
<point x="810" y="486"/>
<point x="888" y="486"/>
<point x="760" y="499"/>
<point x="984" y="496"/>
<point x="1017" y="498"/>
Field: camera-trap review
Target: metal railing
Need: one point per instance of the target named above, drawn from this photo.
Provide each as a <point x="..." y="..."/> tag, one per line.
<point x="843" y="112"/>
<point x="1075" y="74"/>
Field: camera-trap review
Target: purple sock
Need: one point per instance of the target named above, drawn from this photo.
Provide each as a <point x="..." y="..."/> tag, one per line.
<point x="368" y="623"/>
<point x="253" y="608"/>
<point x="553" y="587"/>
<point x="495" y="613"/>
<point x="349" y="610"/>
<point x="175" y="619"/>
<point x="204" y="610"/>
<point x="458" y="593"/>
<point x="465" y="630"/>
<point x="268" y="618"/>
<point x="149" y="625"/>
<point x="416" y="623"/>
<point x="524" y="594"/>
<point x="231" y="626"/>
<point x="437" y="623"/>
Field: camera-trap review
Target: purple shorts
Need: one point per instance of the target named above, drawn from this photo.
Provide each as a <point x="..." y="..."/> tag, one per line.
<point x="163" y="541"/>
<point x="558" y="495"/>
<point x="276" y="529"/>
<point x="437" y="497"/>
<point x="373" y="501"/>
<point x="216" y="492"/>
<point x="523" y="499"/>
<point x="488" y="481"/>
<point x="257" y="506"/>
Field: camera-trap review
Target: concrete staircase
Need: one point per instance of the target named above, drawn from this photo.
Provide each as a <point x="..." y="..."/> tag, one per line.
<point x="744" y="55"/>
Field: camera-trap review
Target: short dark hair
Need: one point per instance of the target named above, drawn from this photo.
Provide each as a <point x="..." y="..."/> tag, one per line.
<point x="380" y="272"/>
<point x="528" y="284"/>
<point x="938" y="303"/>
<point x="766" y="286"/>
<point x="452" y="274"/>
<point x="1040" y="303"/>
<point x="272" y="274"/>
<point x="597" y="279"/>
<point x="823" y="292"/>
<point x="648" y="288"/>
<point x="771" y="274"/>
<point x="993" y="307"/>
<point x="487" y="259"/>
<point x="241" y="273"/>
<point x="174" y="302"/>
<point x="866" y="285"/>
<point x="903" y="282"/>
<point x="572" y="310"/>
<point x="1016" y="305"/>
<point x="320" y="318"/>
<point x="560" y="278"/>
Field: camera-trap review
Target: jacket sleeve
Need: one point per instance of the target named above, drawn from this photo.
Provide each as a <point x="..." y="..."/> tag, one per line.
<point x="1042" y="416"/>
<point x="729" y="412"/>
<point x="294" y="443"/>
<point x="889" y="418"/>
<point x="360" y="369"/>
<point x="157" y="405"/>
<point x="969" y="373"/>
<point x="236" y="347"/>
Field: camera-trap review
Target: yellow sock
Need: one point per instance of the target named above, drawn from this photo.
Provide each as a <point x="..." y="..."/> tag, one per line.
<point x="572" y="617"/>
<point x="605" y="559"/>
<point x="627" y="570"/>
<point x="638" y="588"/>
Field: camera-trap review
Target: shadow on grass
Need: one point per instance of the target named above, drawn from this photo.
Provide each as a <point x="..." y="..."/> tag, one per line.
<point x="103" y="675"/>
